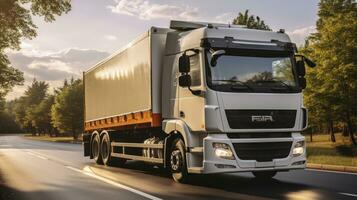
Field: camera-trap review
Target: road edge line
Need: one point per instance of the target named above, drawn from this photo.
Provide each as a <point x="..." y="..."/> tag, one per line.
<point x="348" y="194"/>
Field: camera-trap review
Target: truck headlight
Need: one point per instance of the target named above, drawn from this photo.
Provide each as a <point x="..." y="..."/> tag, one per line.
<point x="298" y="148"/>
<point x="223" y="150"/>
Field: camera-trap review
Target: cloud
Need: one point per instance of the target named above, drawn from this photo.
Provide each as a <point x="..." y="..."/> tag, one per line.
<point x="146" y="10"/>
<point x="110" y="37"/>
<point x="53" y="67"/>
<point x="225" y="17"/>
<point x="299" y="35"/>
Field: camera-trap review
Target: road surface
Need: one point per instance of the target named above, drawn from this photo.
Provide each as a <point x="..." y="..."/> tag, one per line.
<point x="45" y="170"/>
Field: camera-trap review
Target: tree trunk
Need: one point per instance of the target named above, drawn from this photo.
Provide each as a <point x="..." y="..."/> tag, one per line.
<point x="350" y="128"/>
<point x="350" y="131"/>
<point x="332" y="132"/>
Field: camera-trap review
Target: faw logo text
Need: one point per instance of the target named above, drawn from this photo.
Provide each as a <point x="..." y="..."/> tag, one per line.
<point x="262" y="118"/>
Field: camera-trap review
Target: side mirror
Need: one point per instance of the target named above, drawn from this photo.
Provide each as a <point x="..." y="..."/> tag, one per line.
<point x="185" y="80"/>
<point x="302" y="82"/>
<point x="215" y="56"/>
<point x="184" y="64"/>
<point x="300" y="68"/>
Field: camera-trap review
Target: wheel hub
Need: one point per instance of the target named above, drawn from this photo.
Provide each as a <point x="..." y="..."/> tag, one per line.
<point x="176" y="160"/>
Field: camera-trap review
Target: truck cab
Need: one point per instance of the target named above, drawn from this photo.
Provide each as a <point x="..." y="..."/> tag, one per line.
<point x="235" y="95"/>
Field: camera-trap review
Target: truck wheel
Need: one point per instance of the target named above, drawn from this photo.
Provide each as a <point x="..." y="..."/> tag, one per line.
<point x="264" y="175"/>
<point x="96" y="149"/>
<point x="105" y="150"/>
<point x="178" y="166"/>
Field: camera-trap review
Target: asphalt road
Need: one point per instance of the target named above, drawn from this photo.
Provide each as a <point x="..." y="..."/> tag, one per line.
<point x="45" y="170"/>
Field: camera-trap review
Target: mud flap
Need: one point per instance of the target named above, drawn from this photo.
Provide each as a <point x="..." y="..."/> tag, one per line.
<point x="86" y="144"/>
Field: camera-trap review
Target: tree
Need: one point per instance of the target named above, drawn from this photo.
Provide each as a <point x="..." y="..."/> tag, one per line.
<point x="20" y="112"/>
<point x="36" y="92"/>
<point x="67" y="111"/>
<point x="250" y="21"/>
<point x="9" y="76"/>
<point x="42" y="115"/>
<point x="7" y="121"/>
<point x="333" y="92"/>
<point x="26" y="106"/>
<point x="16" y="24"/>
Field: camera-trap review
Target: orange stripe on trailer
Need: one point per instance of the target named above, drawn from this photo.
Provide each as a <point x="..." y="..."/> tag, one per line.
<point x="144" y="119"/>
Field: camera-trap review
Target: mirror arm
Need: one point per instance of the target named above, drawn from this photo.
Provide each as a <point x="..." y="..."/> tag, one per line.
<point x="196" y="92"/>
<point x="309" y="62"/>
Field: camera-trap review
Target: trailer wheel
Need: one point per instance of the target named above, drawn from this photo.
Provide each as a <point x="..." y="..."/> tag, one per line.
<point x="106" y="149"/>
<point x="264" y="175"/>
<point x="96" y="149"/>
<point x="178" y="166"/>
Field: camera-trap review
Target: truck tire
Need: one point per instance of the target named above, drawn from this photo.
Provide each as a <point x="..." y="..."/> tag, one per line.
<point x="106" y="149"/>
<point x="96" y="150"/>
<point x="177" y="161"/>
<point x="264" y="175"/>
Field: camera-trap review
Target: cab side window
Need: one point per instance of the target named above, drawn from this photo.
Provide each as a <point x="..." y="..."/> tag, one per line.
<point x="195" y="70"/>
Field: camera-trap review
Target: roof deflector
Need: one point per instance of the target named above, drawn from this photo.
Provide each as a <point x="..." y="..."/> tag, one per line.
<point x="186" y="25"/>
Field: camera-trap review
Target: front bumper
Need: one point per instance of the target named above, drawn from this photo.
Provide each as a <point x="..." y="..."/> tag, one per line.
<point x="214" y="164"/>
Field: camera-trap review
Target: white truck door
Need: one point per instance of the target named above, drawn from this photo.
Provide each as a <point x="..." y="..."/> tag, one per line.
<point x="191" y="107"/>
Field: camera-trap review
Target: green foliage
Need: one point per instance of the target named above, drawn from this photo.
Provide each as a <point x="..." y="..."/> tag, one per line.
<point x="250" y="21"/>
<point x="41" y="119"/>
<point x="28" y="106"/>
<point x="67" y="111"/>
<point x="9" y="77"/>
<point x="36" y="92"/>
<point x="16" y="24"/>
<point x="8" y="124"/>
<point x="39" y="112"/>
<point x="7" y="120"/>
<point x="332" y="86"/>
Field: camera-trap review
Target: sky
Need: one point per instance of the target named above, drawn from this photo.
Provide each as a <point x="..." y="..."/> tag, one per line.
<point x="93" y="30"/>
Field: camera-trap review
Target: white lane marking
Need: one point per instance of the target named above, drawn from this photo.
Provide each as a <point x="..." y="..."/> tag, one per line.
<point x="348" y="194"/>
<point x="36" y="155"/>
<point x="329" y="171"/>
<point x="87" y="171"/>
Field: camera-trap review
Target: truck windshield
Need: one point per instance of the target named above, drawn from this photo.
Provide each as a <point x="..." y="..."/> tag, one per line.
<point x="253" y="72"/>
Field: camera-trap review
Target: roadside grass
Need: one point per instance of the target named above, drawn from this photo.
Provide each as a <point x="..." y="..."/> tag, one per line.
<point x="323" y="151"/>
<point x="63" y="139"/>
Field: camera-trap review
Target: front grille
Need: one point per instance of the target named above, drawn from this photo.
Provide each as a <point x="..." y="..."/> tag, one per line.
<point x="243" y="119"/>
<point x="262" y="151"/>
<point x="259" y="135"/>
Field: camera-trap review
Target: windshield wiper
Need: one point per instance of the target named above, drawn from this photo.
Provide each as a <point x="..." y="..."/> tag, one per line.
<point x="234" y="87"/>
<point x="282" y="83"/>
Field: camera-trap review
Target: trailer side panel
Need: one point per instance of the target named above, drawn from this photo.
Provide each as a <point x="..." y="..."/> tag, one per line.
<point x="121" y="85"/>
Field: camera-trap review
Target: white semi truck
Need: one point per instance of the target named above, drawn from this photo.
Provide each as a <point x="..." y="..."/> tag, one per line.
<point x="199" y="98"/>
